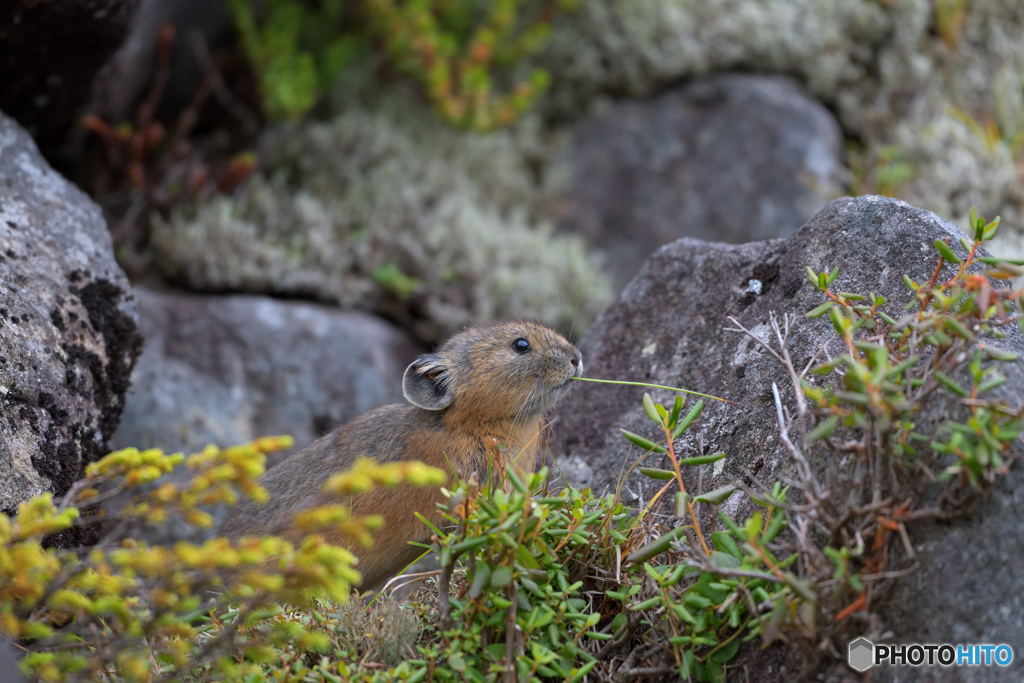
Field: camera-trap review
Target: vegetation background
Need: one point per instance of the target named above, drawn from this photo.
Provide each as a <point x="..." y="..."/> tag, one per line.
<point x="434" y="162"/>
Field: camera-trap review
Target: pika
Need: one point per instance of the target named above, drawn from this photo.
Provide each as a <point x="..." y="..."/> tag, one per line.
<point x="484" y="391"/>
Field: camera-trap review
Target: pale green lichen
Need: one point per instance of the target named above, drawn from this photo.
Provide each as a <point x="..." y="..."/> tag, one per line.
<point x="886" y="68"/>
<point x="387" y="209"/>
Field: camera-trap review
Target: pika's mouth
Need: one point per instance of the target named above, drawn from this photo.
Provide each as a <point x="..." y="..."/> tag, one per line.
<point x="577" y="372"/>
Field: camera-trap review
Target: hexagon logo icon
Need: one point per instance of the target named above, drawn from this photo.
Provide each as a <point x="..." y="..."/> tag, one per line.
<point x="861" y="655"/>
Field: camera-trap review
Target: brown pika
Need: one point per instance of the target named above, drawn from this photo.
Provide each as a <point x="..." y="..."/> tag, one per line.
<point x="483" y="392"/>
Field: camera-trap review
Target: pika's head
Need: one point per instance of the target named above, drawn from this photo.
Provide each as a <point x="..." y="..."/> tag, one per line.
<point x="496" y="371"/>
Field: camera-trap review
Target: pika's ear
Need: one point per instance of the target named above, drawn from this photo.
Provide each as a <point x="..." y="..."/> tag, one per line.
<point x="425" y="383"/>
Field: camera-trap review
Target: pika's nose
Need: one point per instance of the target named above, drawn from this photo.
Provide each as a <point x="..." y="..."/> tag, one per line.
<point x="577" y="362"/>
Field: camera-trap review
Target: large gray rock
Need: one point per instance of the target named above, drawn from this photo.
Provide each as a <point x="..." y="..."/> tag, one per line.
<point x="730" y="158"/>
<point x="227" y="369"/>
<point x="68" y="336"/>
<point x="667" y="328"/>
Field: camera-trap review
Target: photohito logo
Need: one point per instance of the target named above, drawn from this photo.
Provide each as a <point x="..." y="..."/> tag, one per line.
<point x="862" y="654"/>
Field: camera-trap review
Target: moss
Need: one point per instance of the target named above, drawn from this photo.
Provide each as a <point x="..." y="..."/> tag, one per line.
<point x="388" y="188"/>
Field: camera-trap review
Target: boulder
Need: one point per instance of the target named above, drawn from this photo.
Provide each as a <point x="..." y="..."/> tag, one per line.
<point x="68" y="334"/>
<point x="228" y="369"/>
<point x="667" y="327"/>
<point x="51" y="52"/>
<point x="730" y="158"/>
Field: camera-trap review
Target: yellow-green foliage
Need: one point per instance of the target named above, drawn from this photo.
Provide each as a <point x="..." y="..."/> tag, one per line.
<point x="465" y="55"/>
<point x="458" y="51"/>
<point x="297" y="50"/>
<point x="126" y="609"/>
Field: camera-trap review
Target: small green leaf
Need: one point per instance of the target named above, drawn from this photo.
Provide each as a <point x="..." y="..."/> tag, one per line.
<point x="824" y="429"/>
<point x="999" y="354"/>
<point x="995" y="260"/>
<point x="719" y="495"/>
<point x="991" y="383"/>
<point x="655" y="473"/>
<point x="946" y="252"/>
<point x="643" y="443"/>
<point x="958" y="329"/>
<point x="481" y="575"/>
<point x="897" y="370"/>
<point x="501" y="576"/>
<point x="812" y="277"/>
<point x="950" y="383"/>
<point x="652" y="414"/>
<point x="820" y="310"/>
<point x="991" y="228"/>
<point x="682" y="498"/>
<point x="701" y="459"/>
<point x="688" y="419"/>
<point x="677" y="406"/>
<point x="467" y="545"/>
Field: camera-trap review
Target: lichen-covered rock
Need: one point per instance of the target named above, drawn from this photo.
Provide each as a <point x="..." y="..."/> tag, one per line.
<point x="388" y="209"/>
<point x="729" y="158"/>
<point x="917" y="82"/>
<point x="51" y="51"/>
<point x="228" y="369"/>
<point x="668" y="328"/>
<point x="68" y="335"/>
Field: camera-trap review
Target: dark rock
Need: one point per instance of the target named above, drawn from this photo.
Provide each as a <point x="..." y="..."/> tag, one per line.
<point x="730" y="158"/>
<point x="68" y="336"/>
<point x="228" y="369"/>
<point x="123" y="81"/>
<point x="668" y="328"/>
<point x="49" y="54"/>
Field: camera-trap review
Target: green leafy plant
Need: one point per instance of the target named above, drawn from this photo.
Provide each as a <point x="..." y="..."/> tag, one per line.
<point x="467" y="56"/>
<point x="462" y="53"/>
<point x="946" y="339"/>
<point x="297" y="49"/>
<point x="553" y="583"/>
<point x="870" y="404"/>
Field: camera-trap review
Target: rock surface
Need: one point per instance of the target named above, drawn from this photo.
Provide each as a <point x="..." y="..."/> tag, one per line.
<point x="227" y="369"/>
<point x="667" y="328"/>
<point x="68" y="335"/>
<point x="51" y="52"/>
<point x="730" y="158"/>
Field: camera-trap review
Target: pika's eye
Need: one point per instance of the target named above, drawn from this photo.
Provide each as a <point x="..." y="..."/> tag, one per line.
<point x="520" y="345"/>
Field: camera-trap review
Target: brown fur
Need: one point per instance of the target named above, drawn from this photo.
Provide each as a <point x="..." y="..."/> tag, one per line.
<point x="493" y="401"/>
